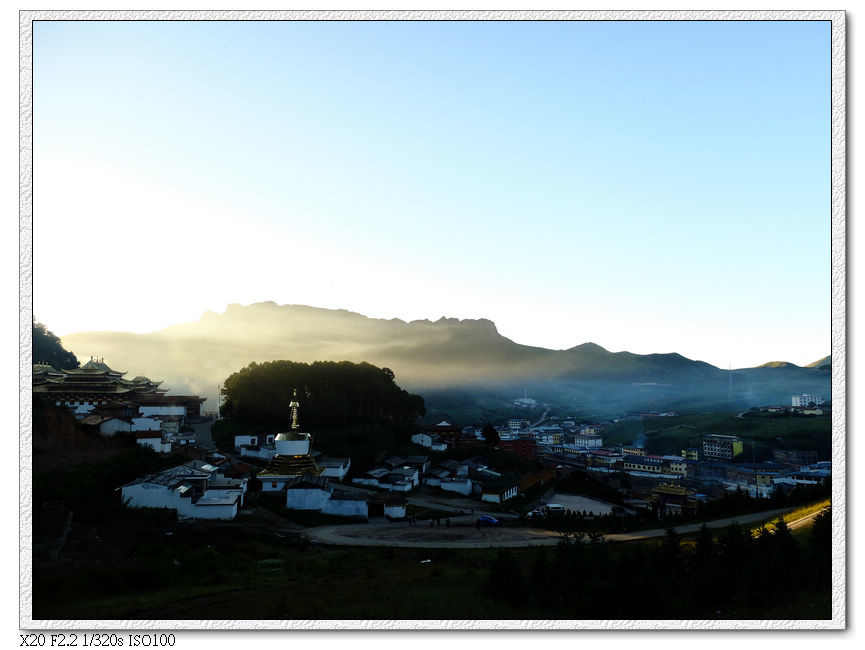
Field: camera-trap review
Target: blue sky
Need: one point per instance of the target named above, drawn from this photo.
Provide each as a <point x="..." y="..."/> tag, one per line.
<point x="649" y="186"/>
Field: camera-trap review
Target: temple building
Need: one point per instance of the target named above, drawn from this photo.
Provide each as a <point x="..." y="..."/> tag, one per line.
<point x="102" y="397"/>
<point x="293" y="456"/>
<point x="92" y="384"/>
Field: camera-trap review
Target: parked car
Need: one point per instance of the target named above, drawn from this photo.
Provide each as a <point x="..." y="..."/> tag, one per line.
<point x="486" y="520"/>
<point x="535" y="514"/>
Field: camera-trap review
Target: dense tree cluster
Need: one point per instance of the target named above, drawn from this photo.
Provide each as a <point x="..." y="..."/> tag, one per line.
<point x="47" y="349"/>
<point x="331" y="393"/>
<point x="727" y="574"/>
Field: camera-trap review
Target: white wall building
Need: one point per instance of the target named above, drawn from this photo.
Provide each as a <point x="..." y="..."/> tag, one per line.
<point x="188" y="491"/>
<point x="310" y="492"/>
<point x="430" y="441"/>
<point x="334" y="468"/>
<point x="585" y="442"/>
<point x="499" y="494"/>
<point x="162" y="409"/>
<point x="461" y="485"/>
<point x="254" y="440"/>
<point x="806" y="399"/>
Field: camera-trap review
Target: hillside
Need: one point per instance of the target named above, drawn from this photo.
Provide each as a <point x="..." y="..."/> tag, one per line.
<point x="428" y="357"/>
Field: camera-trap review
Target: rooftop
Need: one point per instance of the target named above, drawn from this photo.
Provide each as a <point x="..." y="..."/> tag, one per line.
<point x="172" y="477"/>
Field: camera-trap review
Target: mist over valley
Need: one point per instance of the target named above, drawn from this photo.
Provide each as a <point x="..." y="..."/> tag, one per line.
<point x="456" y="364"/>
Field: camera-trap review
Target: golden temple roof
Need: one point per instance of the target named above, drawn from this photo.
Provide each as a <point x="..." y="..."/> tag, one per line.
<point x="291" y="466"/>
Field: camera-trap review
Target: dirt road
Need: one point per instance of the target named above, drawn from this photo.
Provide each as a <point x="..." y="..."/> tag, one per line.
<point x="462" y="533"/>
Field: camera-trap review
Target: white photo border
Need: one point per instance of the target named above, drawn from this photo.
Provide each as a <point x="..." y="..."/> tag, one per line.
<point x="839" y="315"/>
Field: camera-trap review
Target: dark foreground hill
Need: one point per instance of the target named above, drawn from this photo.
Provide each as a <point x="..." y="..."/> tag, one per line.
<point x="459" y="357"/>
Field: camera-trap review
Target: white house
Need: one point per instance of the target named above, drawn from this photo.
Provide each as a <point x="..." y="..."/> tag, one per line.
<point x="184" y="489"/>
<point x="309" y="492"/>
<point x="347" y="504"/>
<point x="395" y="508"/>
<point x="587" y="441"/>
<point x="500" y="491"/>
<point x="254" y="440"/>
<point x="405" y="474"/>
<point x="431" y="441"/>
<point x="265" y="453"/>
<point x="399" y="480"/>
<point x="261" y="446"/>
<point x="334" y="468"/>
<point x="460" y="485"/>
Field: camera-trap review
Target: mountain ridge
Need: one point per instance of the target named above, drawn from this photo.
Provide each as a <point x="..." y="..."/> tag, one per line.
<point x="448" y="353"/>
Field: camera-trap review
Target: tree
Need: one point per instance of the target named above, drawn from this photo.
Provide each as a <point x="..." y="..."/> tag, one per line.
<point x="821" y="531"/>
<point x="48" y="349"/>
<point x="705" y="547"/>
<point x="334" y="394"/>
<point x="490" y="434"/>
<point x="672" y="549"/>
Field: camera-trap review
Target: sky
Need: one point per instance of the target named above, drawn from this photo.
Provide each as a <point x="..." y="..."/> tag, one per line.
<point x="647" y="186"/>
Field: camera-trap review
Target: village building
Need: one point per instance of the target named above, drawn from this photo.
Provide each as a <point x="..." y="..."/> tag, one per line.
<point x="459" y="484"/>
<point x="814" y="474"/>
<point x="431" y="441"/>
<point x="525" y="447"/>
<point x="667" y="499"/>
<point x="691" y="453"/>
<point x="652" y="465"/>
<point x="807" y="399"/>
<point x="334" y="468"/>
<point x="196" y="490"/>
<point x="448" y="434"/>
<point x="758" y="475"/>
<point x="588" y="441"/>
<point x="603" y="458"/>
<point x="501" y="489"/>
<point x="315" y="492"/>
<point x="720" y="447"/>
<point x="795" y="458"/>
<point x="400" y="479"/>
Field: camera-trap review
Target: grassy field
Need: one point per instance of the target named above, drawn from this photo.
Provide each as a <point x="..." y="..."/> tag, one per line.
<point x="669" y="435"/>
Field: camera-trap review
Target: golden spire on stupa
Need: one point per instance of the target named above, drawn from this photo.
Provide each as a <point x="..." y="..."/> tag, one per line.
<point x="295" y="407"/>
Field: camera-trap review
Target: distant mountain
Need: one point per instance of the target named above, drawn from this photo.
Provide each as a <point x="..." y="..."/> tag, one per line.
<point x="821" y="363"/>
<point x="778" y="364"/>
<point x="445" y="355"/>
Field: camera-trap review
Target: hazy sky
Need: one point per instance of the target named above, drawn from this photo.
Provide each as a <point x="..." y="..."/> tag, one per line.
<point x="649" y="186"/>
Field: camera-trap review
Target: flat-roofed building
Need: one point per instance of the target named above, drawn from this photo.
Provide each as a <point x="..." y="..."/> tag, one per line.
<point x="721" y="447"/>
